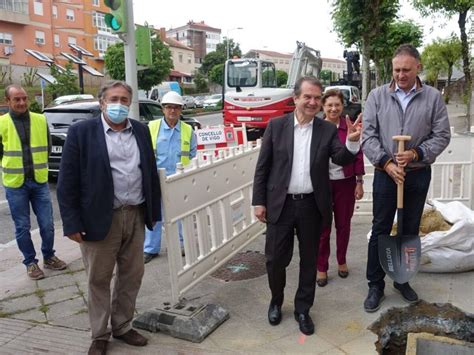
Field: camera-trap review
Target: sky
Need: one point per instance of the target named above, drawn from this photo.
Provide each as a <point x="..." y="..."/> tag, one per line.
<point x="272" y="25"/>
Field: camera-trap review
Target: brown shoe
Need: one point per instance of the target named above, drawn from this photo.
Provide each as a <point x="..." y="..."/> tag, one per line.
<point x="34" y="272"/>
<point x="54" y="263"/>
<point x="98" y="347"/>
<point x="132" y="337"/>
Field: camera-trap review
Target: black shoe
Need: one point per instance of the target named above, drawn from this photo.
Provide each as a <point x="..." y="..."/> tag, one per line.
<point x="305" y="322"/>
<point x="274" y="314"/>
<point x="406" y="291"/>
<point x="147" y="257"/>
<point x="322" y="282"/>
<point x="374" y="299"/>
<point x="343" y="274"/>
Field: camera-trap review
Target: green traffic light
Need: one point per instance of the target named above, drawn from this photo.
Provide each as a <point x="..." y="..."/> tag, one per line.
<point x="113" y="22"/>
<point x="117" y="19"/>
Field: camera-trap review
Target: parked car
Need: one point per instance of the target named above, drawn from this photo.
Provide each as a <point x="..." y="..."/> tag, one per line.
<point x="199" y="100"/>
<point x="66" y="98"/>
<point x="352" y="100"/>
<point x="213" y="101"/>
<point x="188" y="102"/>
<point x="62" y="116"/>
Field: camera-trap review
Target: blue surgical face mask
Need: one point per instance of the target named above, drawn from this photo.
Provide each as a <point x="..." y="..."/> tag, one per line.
<point x="117" y="113"/>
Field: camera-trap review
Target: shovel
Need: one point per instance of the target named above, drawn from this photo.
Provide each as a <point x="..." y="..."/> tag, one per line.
<point x="400" y="255"/>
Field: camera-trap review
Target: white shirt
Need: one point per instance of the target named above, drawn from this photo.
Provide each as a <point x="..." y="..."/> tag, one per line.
<point x="300" y="180"/>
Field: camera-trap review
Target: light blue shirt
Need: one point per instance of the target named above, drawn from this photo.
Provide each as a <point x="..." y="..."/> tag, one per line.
<point x="404" y="97"/>
<point x="168" y="147"/>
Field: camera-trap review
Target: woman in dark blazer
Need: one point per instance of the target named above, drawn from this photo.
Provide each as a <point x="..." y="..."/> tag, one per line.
<point x="346" y="187"/>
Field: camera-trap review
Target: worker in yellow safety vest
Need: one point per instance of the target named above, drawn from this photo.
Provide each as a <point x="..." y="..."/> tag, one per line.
<point x="173" y="142"/>
<point x="24" y="150"/>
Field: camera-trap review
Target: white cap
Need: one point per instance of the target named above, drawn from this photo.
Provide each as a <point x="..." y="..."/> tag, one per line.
<point x="172" y="97"/>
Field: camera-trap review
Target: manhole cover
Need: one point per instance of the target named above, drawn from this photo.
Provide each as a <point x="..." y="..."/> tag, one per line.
<point x="243" y="266"/>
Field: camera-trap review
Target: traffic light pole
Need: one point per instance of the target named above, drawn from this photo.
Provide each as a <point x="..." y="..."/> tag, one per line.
<point x="131" y="60"/>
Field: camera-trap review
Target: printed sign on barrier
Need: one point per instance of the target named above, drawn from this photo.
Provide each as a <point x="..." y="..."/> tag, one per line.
<point x="215" y="135"/>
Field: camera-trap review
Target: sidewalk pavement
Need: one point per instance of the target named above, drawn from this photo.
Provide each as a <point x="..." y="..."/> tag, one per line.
<point x="50" y="315"/>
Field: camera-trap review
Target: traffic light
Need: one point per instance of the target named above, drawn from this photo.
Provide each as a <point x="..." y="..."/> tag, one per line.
<point x="117" y="19"/>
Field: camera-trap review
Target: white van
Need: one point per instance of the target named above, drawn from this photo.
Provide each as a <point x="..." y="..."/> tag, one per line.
<point x="158" y="91"/>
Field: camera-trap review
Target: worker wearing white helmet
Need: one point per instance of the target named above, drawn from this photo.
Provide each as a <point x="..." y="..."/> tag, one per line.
<point x="173" y="142"/>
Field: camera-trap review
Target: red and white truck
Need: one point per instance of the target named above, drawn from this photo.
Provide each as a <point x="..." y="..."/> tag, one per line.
<point x="251" y="95"/>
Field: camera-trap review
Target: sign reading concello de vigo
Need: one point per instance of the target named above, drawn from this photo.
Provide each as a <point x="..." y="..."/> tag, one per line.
<point x="215" y="135"/>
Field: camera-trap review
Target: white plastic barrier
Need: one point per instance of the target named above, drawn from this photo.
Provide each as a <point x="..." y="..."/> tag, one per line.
<point x="212" y="199"/>
<point x="452" y="176"/>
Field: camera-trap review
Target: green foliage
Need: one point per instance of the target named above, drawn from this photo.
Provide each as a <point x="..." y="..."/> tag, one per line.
<point x="200" y="82"/>
<point x="161" y="64"/>
<point x="35" y="107"/>
<point x="282" y="78"/>
<point x="326" y="76"/>
<point x="219" y="56"/>
<point x="29" y="77"/>
<point x="216" y="74"/>
<point x="449" y="7"/>
<point x="66" y="82"/>
<point x="385" y="44"/>
<point x="6" y="73"/>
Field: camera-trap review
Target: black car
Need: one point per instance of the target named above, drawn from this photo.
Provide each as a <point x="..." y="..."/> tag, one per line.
<point x="62" y="116"/>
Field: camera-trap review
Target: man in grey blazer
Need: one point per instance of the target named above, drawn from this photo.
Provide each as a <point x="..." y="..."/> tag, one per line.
<point x="291" y="192"/>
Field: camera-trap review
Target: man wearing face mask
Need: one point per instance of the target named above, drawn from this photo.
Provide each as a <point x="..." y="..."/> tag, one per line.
<point x="108" y="190"/>
<point x="173" y="142"/>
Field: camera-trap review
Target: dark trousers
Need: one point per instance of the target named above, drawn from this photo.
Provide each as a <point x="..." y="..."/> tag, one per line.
<point x="343" y="200"/>
<point x="304" y="217"/>
<point x="416" y="187"/>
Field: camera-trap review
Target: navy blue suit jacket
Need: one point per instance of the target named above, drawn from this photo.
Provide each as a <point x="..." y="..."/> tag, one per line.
<point x="85" y="187"/>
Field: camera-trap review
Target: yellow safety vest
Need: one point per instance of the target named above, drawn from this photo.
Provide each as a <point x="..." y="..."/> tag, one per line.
<point x="186" y="134"/>
<point x="13" y="174"/>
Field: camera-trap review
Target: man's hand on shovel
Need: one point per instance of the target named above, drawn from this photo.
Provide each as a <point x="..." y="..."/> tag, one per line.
<point x="396" y="172"/>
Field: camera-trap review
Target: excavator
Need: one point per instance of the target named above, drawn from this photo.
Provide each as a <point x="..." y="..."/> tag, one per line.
<point x="251" y="95"/>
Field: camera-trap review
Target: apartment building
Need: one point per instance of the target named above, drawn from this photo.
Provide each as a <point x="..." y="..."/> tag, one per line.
<point x="197" y="35"/>
<point x="281" y="60"/>
<point x="48" y="26"/>
<point x="183" y="59"/>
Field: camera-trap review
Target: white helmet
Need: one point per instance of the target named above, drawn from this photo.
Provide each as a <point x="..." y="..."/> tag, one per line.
<point x="172" y="97"/>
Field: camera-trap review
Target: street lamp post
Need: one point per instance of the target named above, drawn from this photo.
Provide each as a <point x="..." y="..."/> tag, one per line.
<point x="228" y="44"/>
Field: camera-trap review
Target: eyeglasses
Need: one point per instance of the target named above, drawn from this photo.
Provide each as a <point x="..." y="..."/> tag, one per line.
<point x="172" y="107"/>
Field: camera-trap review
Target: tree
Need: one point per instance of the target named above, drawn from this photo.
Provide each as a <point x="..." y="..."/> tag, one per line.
<point x="385" y="44"/>
<point x="282" y="78"/>
<point x="326" y="75"/>
<point x="360" y="22"/>
<point x="216" y="74"/>
<point x="200" y="82"/>
<point x="219" y="56"/>
<point x="432" y="63"/>
<point x="155" y="74"/>
<point x="441" y="56"/>
<point x="66" y="82"/>
<point x="461" y="8"/>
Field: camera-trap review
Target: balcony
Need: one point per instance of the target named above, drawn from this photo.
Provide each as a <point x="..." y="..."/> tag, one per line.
<point x="14" y="11"/>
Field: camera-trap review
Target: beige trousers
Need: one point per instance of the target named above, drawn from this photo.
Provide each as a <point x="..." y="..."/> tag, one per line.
<point x="122" y="250"/>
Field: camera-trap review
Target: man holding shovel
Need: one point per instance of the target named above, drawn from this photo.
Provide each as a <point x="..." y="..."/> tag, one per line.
<point x="405" y="106"/>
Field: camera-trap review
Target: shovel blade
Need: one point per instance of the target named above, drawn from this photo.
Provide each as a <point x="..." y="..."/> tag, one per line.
<point x="400" y="256"/>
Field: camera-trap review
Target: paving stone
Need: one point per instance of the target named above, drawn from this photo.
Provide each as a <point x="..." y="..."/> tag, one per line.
<point x="34" y="315"/>
<point x="54" y="282"/>
<point x="76" y="265"/>
<point x="69" y="308"/>
<point x="20" y="304"/>
<point x="60" y="294"/>
<point x="78" y="321"/>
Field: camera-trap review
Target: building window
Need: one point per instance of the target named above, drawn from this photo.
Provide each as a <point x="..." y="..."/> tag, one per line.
<point x="98" y="20"/>
<point x="55" y="11"/>
<point x="6" y="38"/>
<point x="95" y="2"/>
<point x="101" y="43"/>
<point x="38" y="7"/>
<point x="39" y="37"/>
<point x="56" y="40"/>
<point x="180" y="57"/>
<point x="71" y="40"/>
<point x="70" y="14"/>
<point x="189" y="58"/>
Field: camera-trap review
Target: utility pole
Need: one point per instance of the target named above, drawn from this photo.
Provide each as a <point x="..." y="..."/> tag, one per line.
<point x="131" y="60"/>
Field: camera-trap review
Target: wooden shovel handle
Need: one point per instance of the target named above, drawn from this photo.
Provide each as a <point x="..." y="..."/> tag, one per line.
<point x="401" y="148"/>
